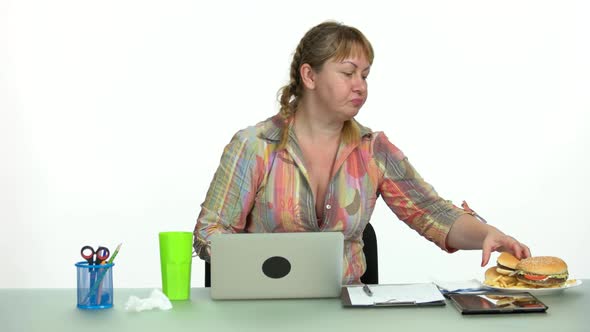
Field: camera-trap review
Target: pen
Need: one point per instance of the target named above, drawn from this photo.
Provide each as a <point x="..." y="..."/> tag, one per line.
<point x="469" y="210"/>
<point x="99" y="295"/>
<point x="367" y="290"/>
<point x="96" y="285"/>
<point x="115" y="254"/>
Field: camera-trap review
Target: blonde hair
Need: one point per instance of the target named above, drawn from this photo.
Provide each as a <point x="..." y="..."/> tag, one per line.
<point x="328" y="40"/>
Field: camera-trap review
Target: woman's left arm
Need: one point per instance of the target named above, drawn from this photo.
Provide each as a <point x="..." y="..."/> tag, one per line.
<point x="469" y="233"/>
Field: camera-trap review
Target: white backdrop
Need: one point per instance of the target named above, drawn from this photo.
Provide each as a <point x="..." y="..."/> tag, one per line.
<point x="113" y="116"/>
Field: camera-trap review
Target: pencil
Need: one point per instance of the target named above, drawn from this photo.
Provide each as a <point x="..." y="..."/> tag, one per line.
<point x="115" y="254"/>
<point x="96" y="285"/>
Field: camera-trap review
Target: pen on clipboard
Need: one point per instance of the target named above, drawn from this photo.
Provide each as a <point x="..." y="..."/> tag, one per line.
<point x="367" y="290"/>
<point x="469" y="210"/>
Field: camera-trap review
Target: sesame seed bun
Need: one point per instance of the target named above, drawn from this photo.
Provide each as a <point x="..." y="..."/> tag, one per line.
<point x="542" y="265"/>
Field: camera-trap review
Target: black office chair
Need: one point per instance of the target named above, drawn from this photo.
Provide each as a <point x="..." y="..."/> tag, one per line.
<point x="371" y="275"/>
<point x="207" y="274"/>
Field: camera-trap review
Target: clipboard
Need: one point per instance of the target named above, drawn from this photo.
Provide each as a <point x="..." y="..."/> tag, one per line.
<point x="394" y="295"/>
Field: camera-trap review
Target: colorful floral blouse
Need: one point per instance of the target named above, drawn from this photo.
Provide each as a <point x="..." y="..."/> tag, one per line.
<point x="260" y="189"/>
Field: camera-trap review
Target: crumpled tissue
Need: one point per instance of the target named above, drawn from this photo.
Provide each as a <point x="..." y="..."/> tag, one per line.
<point x="157" y="299"/>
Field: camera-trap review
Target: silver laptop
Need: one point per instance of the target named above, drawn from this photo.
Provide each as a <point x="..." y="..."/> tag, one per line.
<point x="276" y="265"/>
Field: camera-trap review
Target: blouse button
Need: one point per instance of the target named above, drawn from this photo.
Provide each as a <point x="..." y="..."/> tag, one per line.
<point x="328" y="207"/>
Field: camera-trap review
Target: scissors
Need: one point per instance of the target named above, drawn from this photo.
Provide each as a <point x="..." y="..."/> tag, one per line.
<point x="95" y="257"/>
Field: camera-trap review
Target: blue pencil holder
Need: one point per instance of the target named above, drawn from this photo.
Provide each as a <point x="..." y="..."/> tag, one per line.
<point x="95" y="286"/>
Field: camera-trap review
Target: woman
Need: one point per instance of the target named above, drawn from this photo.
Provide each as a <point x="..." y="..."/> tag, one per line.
<point x="314" y="168"/>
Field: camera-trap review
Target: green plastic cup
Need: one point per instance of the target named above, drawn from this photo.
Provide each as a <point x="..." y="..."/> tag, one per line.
<point x="175" y="263"/>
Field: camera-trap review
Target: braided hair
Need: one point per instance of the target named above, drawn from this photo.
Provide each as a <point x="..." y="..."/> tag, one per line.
<point x="323" y="42"/>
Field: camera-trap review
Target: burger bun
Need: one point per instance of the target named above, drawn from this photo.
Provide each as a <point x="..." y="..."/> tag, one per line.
<point x="491" y="274"/>
<point x="506" y="263"/>
<point x="542" y="265"/>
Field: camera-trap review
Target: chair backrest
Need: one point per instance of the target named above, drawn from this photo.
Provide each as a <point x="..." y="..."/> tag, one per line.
<point x="371" y="275"/>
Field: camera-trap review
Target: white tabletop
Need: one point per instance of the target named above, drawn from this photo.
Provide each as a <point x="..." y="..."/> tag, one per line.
<point x="55" y="310"/>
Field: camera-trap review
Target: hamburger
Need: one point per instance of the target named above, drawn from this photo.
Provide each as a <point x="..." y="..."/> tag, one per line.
<point x="506" y="264"/>
<point x="542" y="271"/>
<point x="491" y="274"/>
<point x="495" y="279"/>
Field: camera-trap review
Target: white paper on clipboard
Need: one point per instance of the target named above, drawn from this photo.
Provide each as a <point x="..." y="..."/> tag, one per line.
<point x="396" y="294"/>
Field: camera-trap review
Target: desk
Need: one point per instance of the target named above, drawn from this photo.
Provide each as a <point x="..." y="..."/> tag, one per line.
<point x="55" y="310"/>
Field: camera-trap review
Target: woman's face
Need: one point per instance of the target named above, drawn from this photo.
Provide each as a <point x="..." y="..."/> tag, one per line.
<point x="341" y="86"/>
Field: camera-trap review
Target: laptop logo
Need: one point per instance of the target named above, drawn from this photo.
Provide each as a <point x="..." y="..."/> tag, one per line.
<point x="276" y="267"/>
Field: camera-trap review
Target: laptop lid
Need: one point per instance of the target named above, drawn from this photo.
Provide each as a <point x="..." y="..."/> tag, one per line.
<point x="276" y="265"/>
